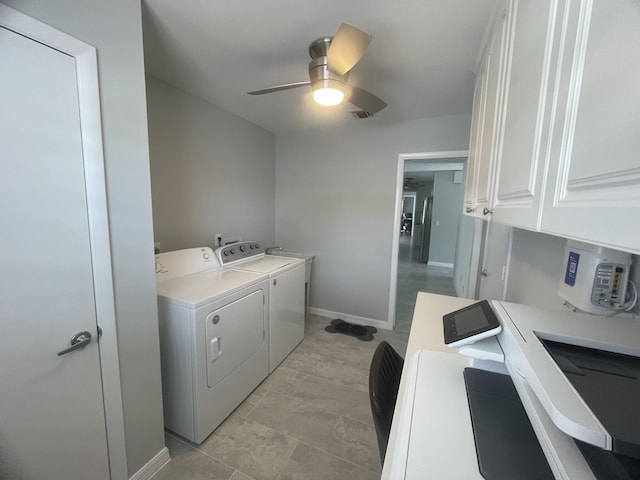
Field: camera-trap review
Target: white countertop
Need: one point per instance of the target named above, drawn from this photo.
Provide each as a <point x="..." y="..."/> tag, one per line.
<point x="442" y="448"/>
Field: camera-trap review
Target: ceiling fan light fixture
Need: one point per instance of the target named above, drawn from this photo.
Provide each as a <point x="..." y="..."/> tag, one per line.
<point x="327" y="93"/>
<point x="328" y="97"/>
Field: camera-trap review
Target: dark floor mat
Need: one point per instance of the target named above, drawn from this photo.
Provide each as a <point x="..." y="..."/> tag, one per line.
<point x="361" y="332"/>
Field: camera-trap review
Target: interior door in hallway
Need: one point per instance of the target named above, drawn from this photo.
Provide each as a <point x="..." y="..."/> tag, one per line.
<point x="52" y="417"/>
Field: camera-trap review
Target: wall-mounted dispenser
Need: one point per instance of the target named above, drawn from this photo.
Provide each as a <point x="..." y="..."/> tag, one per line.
<point x="594" y="279"/>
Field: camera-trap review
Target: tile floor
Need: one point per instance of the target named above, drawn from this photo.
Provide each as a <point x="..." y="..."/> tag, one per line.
<point x="308" y="420"/>
<point x="413" y="277"/>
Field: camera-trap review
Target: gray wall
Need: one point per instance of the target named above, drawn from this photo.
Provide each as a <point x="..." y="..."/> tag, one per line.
<point x="114" y="28"/>
<point x="211" y="172"/>
<point x="447" y="210"/>
<point x="335" y="197"/>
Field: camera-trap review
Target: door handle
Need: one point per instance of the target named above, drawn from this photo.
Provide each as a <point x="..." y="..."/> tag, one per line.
<point x="484" y="273"/>
<point x="79" y="340"/>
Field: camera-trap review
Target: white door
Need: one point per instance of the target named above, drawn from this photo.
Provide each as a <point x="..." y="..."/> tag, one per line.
<point x="52" y="413"/>
<point x="495" y="261"/>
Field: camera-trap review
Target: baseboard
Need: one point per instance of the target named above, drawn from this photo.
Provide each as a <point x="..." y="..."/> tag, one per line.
<point x="153" y="466"/>
<point x="440" y="264"/>
<point x="350" y="318"/>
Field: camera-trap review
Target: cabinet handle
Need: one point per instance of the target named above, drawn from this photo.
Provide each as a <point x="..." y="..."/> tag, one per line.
<point x="486" y="211"/>
<point x="469" y="210"/>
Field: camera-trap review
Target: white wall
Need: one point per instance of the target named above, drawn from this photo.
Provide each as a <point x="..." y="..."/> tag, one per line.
<point x="335" y="197"/>
<point x="211" y="172"/>
<point x="462" y="280"/>
<point x="537" y="262"/>
<point x="114" y="28"/>
<point x="447" y="210"/>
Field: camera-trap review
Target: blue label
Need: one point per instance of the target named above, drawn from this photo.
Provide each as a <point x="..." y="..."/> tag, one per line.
<point x="572" y="269"/>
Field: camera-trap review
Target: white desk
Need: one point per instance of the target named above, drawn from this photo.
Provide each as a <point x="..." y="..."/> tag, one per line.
<point x="442" y="447"/>
<point x="432" y="436"/>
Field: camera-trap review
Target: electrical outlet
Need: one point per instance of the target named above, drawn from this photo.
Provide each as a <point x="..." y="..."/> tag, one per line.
<point x="230" y="240"/>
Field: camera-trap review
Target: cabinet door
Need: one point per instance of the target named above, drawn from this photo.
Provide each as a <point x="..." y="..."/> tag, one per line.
<point x="522" y="152"/>
<point x="286" y="314"/>
<point x="475" y="142"/>
<point x="489" y="84"/>
<point x="594" y="174"/>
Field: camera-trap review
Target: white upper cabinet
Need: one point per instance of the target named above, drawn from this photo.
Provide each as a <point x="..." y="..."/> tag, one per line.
<point x="485" y="121"/>
<point x="594" y="169"/>
<point x="526" y="113"/>
<point x="557" y="148"/>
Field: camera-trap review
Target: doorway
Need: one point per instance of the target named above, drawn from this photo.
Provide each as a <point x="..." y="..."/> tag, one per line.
<point x="61" y="398"/>
<point x="424" y="259"/>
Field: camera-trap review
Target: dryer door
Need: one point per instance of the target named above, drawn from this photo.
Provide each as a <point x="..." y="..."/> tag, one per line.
<point x="234" y="333"/>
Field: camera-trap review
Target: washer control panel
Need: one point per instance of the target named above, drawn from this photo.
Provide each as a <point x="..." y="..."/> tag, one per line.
<point x="238" y="251"/>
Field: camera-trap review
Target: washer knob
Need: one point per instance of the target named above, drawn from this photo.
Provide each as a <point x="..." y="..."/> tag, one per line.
<point x="205" y="255"/>
<point x="225" y="253"/>
<point x="242" y="248"/>
<point x="232" y="251"/>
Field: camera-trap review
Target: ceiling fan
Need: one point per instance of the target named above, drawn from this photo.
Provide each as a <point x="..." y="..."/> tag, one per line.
<point x="332" y="58"/>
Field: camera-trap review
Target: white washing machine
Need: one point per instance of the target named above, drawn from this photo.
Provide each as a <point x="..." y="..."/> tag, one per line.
<point x="286" y="293"/>
<point x="213" y="338"/>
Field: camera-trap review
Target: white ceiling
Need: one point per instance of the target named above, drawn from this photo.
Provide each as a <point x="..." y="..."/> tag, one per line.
<point x="420" y="61"/>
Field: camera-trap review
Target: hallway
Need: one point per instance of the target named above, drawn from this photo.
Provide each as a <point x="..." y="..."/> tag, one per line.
<point x="414" y="277"/>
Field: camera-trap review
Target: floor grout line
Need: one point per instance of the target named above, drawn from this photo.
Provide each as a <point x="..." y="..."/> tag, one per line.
<point x="284" y="465"/>
<point x="338" y="457"/>
<point x="299" y="384"/>
<point x="202" y="452"/>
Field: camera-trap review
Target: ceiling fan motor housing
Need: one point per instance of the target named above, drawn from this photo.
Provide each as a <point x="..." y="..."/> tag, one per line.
<point x="319" y="74"/>
<point x="320" y="47"/>
<point x="321" y="77"/>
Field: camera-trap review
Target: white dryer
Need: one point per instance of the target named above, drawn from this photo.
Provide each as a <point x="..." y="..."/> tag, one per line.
<point x="286" y="293"/>
<point x="213" y="338"/>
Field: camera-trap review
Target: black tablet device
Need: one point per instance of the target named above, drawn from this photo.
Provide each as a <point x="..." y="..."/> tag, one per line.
<point x="470" y="324"/>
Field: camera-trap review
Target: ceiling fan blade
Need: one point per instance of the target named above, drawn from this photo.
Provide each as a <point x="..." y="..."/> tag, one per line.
<point x="365" y="100"/>
<point x="278" y="88"/>
<point x="347" y="47"/>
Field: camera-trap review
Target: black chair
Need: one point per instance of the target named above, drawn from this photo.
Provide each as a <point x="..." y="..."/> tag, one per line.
<point x="384" y="381"/>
